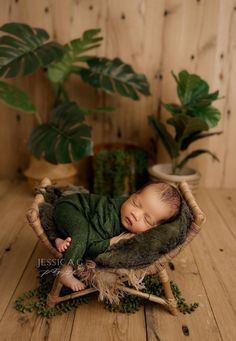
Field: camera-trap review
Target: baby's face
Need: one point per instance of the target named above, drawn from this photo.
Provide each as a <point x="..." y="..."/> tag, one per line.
<point x="144" y="210"/>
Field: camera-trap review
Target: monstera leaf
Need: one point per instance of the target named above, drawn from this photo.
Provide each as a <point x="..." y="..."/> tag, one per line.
<point x="24" y="49"/>
<point x="109" y="75"/>
<point x="114" y="76"/>
<point x="65" y="138"/>
<point x="16" y="98"/>
<point x="59" y="72"/>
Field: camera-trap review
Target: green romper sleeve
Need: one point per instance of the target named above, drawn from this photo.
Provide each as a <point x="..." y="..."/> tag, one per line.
<point x="98" y="247"/>
<point x="72" y="223"/>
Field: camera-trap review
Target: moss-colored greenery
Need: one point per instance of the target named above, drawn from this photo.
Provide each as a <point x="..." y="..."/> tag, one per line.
<point x="131" y="304"/>
<point x="35" y="300"/>
<point x="112" y="167"/>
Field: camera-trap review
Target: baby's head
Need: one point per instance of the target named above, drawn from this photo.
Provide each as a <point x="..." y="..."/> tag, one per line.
<point x="151" y="206"/>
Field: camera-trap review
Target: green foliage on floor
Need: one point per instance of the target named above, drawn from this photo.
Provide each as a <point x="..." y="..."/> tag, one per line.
<point x="35" y="300"/>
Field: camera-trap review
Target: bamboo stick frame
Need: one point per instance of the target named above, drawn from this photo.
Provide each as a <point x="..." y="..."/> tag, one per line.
<point x="158" y="267"/>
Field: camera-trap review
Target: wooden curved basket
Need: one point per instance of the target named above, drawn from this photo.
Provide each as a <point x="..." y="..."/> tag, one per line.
<point x="158" y="266"/>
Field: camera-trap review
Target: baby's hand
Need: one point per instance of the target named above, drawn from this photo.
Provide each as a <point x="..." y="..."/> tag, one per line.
<point x="62" y="245"/>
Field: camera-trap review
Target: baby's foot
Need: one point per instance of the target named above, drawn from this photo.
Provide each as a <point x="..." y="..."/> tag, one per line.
<point x="62" y="244"/>
<point x="72" y="283"/>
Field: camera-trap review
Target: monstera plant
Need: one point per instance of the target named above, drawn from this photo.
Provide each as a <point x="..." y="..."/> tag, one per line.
<point x="192" y="119"/>
<point x="64" y="136"/>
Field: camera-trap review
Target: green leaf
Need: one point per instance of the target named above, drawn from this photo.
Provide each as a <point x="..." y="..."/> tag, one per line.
<point x="14" y="97"/>
<point x="193" y="91"/>
<point x="65" y="138"/>
<point x="196" y="136"/>
<point x="186" y="126"/>
<point x="114" y="76"/>
<point x="25" y="49"/>
<point x="210" y="115"/>
<point x="174" y="109"/>
<point x="204" y="101"/>
<point x="59" y="72"/>
<point x="194" y="154"/>
<point x="190" y="87"/>
<point x="170" y="144"/>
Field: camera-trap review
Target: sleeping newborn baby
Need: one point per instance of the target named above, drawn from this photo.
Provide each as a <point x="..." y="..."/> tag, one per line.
<point x="86" y="222"/>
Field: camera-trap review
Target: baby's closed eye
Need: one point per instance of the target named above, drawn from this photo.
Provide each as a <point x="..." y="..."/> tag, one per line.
<point x="148" y="220"/>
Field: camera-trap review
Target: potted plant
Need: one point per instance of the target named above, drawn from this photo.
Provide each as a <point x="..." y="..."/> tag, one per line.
<point x="119" y="168"/>
<point x="63" y="136"/>
<point x="191" y="118"/>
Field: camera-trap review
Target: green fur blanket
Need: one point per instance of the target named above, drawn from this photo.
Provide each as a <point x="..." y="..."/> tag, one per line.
<point x="145" y="248"/>
<point x="137" y="252"/>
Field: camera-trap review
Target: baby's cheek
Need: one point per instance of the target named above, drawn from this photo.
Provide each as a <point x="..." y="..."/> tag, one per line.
<point x="139" y="228"/>
<point x="126" y="209"/>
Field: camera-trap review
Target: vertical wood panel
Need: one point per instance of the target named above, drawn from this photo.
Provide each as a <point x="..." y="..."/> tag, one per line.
<point x="155" y="37"/>
<point x="132" y="27"/>
<point x="206" y="67"/>
<point x="225" y="76"/>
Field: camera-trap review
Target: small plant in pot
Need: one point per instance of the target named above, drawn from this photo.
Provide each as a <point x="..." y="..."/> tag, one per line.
<point x="192" y="119"/>
<point x="119" y="168"/>
<point x="63" y="136"/>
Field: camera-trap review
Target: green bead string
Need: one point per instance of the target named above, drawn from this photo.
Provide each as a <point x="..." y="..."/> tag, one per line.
<point x="131" y="304"/>
<point x="35" y="300"/>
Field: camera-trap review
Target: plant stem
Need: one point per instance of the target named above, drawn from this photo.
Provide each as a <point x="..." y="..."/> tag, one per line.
<point x="61" y="95"/>
<point x="174" y="165"/>
<point x="65" y="94"/>
<point x="38" y="118"/>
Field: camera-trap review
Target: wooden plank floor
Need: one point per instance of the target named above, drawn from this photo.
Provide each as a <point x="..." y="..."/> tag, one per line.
<point x="205" y="272"/>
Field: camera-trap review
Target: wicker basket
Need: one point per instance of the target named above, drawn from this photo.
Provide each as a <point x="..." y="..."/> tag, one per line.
<point x="163" y="172"/>
<point x="62" y="174"/>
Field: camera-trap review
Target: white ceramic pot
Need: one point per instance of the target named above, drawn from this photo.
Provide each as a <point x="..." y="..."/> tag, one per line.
<point x="62" y="174"/>
<point x="163" y="172"/>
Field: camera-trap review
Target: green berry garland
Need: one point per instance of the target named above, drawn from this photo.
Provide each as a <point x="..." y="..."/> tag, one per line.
<point x="40" y="305"/>
<point x="35" y="300"/>
<point x="131" y="304"/>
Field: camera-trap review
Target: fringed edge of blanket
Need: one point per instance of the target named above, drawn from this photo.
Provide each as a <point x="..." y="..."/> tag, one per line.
<point x="106" y="280"/>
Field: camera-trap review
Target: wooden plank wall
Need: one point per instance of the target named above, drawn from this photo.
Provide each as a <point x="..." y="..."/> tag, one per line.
<point x="155" y="36"/>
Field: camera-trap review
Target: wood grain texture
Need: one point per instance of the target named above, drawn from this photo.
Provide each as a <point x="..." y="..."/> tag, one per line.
<point x="106" y="325"/>
<point x="187" y="275"/>
<point x="214" y="252"/>
<point x="205" y="273"/>
<point x="155" y="37"/>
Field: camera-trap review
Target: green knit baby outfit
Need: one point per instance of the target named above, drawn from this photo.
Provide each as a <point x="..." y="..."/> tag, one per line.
<point x="90" y="220"/>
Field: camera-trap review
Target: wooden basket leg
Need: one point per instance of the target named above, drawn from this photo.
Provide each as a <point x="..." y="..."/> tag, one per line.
<point x="53" y="296"/>
<point x="172" y="304"/>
